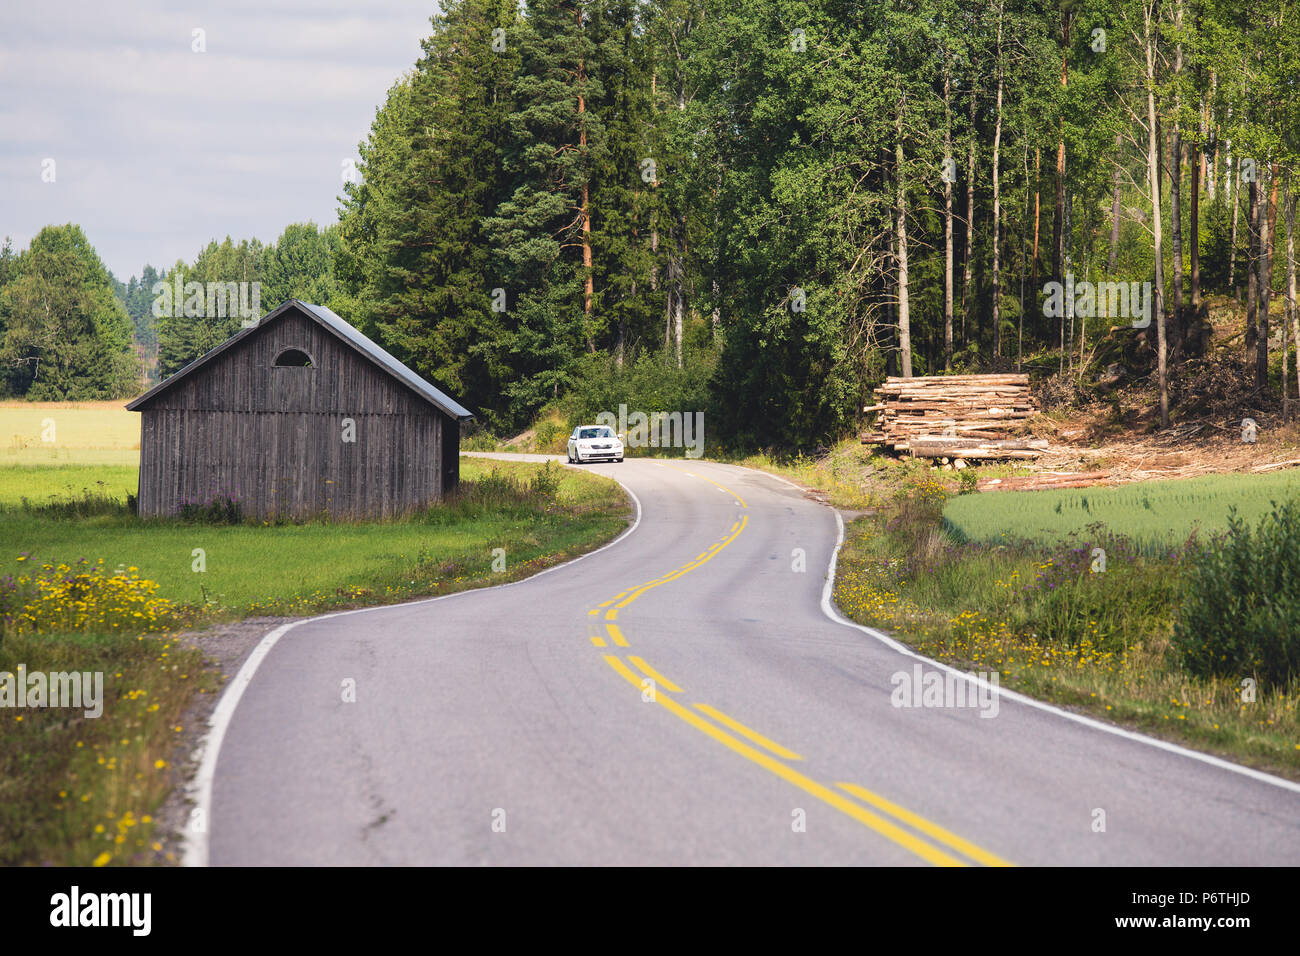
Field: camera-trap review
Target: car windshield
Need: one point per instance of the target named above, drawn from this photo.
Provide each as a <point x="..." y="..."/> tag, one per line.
<point x="595" y="433"/>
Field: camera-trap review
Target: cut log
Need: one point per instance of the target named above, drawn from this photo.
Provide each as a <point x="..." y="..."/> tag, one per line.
<point x="1044" y="481"/>
<point x="918" y="415"/>
<point x="1276" y="464"/>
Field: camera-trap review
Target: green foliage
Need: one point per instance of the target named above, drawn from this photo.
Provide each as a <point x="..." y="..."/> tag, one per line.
<point x="65" y="335"/>
<point x="300" y="265"/>
<point x="545" y="483"/>
<point x="649" y="382"/>
<point x="1240" y="610"/>
<point x="414" y="254"/>
<point x="478" y="440"/>
<point x="138" y="297"/>
<point x="564" y="181"/>
<point x="550" y="436"/>
<point x="201" y="320"/>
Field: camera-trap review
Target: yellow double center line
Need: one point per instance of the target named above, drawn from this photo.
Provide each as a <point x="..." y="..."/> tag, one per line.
<point x="891" y="826"/>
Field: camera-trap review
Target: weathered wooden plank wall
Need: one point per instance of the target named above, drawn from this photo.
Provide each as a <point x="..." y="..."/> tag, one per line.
<point x="274" y="437"/>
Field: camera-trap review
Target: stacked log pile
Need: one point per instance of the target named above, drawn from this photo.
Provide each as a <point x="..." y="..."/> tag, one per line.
<point x="954" y="416"/>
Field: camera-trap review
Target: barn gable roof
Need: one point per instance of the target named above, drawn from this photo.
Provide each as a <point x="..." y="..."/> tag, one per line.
<point x="343" y="331"/>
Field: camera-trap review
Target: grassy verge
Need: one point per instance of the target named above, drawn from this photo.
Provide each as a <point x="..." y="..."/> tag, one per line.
<point x="81" y="791"/>
<point x="1040" y="616"/>
<point x="858" y="477"/>
<point x="849" y="474"/>
<point x="78" y="790"/>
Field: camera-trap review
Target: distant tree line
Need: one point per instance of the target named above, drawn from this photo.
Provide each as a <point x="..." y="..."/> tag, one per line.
<point x="795" y="198"/>
<point x="777" y="202"/>
<point x="71" y="330"/>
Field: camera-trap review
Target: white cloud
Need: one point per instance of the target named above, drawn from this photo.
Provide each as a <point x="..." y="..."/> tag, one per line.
<point x="160" y="149"/>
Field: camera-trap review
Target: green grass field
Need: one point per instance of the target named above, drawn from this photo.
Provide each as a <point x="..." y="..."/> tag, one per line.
<point x="294" y="567"/>
<point x="1153" y="514"/>
<point x="251" y="569"/>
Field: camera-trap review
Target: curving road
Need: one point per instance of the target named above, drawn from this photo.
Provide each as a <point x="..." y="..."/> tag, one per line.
<point x="718" y="715"/>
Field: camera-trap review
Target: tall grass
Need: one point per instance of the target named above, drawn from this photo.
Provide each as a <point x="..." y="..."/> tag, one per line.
<point x="1240" y="613"/>
<point x="1053" y="623"/>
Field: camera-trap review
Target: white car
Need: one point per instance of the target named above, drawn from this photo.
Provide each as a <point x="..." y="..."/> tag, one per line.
<point x="594" y="443"/>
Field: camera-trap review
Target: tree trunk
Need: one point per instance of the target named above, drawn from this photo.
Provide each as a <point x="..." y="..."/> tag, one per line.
<point x="1024" y="226"/>
<point x="1268" y="220"/>
<point x="904" y="318"/>
<point x="1252" y="266"/>
<point x="679" y="288"/>
<point x="947" y="219"/>
<point x="668" y="308"/>
<point x="1176" y="233"/>
<point x="1193" y="326"/>
<point x="1113" y="262"/>
<point x="1213" y="125"/>
<point x="1067" y="344"/>
<point x="589" y="272"/>
<point x="1176" y="194"/>
<point x="1153" y="170"/>
<point x="966" y="271"/>
<point x="654" y="253"/>
<point x="997" y="206"/>
<point x="1058" y="225"/>
<point x="1235" y="201"/>
<point x="1204" y="131"/>
<point x="1290" y="273"/>
<point x="717" y="312"/>
<point x="1033" y="262"/>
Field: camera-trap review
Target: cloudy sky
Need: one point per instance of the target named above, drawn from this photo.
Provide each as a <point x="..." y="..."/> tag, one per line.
<point x="158" y="149"/>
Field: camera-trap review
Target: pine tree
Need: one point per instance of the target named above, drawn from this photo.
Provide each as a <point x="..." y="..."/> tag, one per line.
<point x="413" y="250"/>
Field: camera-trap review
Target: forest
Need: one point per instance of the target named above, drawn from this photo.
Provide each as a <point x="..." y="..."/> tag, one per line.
<point x="760" y="208"/>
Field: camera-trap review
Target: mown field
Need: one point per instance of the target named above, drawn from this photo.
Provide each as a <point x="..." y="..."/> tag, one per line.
<point x="86" y="586"/>
<point x="1152" y="514"/>
<point x="68" y="433"/>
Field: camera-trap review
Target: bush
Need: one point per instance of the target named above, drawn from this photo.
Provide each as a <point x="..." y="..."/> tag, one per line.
<point x="550" y="436"/>
<point x="1240" y="610"/>
<point x="479" y="440"/>
<point x="1113" y="605"/>
<point x="650" y="382"/>
<point x="545" y="485"/>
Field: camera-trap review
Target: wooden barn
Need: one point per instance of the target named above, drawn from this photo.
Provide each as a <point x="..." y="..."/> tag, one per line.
<point x="297" y="415"/>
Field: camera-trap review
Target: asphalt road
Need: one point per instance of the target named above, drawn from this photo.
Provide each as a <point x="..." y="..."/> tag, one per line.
<point x="515" y="726"/>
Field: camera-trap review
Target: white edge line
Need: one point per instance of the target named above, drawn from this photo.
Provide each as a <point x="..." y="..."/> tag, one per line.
<point x="195" y="843"/>
<point x="829" y="609"/>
